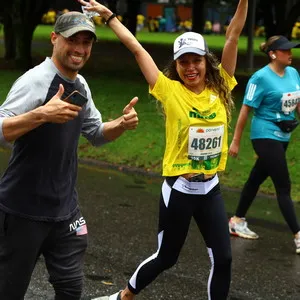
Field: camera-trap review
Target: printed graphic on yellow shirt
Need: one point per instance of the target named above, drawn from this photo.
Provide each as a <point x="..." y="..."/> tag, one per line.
<point x="196" y="127"/>
<point x="195" y="113"/>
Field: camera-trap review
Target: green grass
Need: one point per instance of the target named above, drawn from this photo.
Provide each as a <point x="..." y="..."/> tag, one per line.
<point x="215" y="42"/>
<point x="144" y="147"/>
<point x="114" y="79"/>
<point x="6" y="80"/>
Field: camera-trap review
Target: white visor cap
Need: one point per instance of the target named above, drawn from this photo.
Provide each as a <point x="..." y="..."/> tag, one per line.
<point x="189" y="42"/>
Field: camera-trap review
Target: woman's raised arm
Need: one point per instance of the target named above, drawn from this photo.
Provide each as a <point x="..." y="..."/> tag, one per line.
<point x="143" y="58"/>
<point x="230" y="50"/>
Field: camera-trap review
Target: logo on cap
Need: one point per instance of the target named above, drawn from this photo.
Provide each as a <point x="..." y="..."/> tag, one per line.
<point x="190" y="42"/>
<point x="73" y="22"/>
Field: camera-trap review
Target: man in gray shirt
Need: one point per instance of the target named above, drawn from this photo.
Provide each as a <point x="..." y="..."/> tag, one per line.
<point x="39" y="211"/>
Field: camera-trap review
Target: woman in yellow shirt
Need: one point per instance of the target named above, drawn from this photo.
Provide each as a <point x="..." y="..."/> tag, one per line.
<point x="195" y="91"/>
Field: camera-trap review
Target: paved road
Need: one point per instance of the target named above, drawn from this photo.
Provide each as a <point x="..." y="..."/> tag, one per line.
<point x="121" y="211"/>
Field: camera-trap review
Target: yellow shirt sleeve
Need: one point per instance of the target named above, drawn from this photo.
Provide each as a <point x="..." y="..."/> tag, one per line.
<point x="230" y="81"/>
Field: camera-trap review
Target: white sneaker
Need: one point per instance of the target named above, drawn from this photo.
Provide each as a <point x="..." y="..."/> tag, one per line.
<point x="297" y="243"/>
<point x="116" y="296"/>
<point x="241" y="229"/>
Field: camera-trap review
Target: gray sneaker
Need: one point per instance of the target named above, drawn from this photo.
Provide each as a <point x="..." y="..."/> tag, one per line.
<point x="116" y="296"/>
<point x="241" y="229"/>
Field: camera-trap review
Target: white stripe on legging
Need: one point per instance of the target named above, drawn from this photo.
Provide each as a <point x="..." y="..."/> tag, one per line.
<point x="132" y="280"/>
<point x="166" y="191"/>
<point x="212" y="261"/>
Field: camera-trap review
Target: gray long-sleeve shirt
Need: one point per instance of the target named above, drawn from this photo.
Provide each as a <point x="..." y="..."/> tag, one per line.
<point x="39" y="182"/>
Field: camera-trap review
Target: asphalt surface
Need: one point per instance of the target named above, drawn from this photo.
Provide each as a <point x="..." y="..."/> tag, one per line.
<point x="121" y="212"/>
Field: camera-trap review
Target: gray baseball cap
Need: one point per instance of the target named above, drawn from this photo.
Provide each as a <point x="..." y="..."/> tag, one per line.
<point x="73" y="22"/>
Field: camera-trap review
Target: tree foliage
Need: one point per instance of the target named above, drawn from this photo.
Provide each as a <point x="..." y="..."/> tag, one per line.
<point x="198" y="15"/>
<point x="20" y="18"/>
<point x="278" y="16"/>
<point x="133" y="7"/>
<point x="292" y="18"/>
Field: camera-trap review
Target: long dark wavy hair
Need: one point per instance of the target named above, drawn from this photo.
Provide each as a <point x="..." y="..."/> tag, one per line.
<point x="213" y="80"/>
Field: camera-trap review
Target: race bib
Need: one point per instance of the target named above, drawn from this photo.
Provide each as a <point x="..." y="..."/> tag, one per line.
<point x="205" y="143"/>
<point x="289" y="101"/>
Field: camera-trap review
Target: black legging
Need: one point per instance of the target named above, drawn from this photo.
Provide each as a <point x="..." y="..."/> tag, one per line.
<point x="174" y="220"/>
<point x="271" y="162"/>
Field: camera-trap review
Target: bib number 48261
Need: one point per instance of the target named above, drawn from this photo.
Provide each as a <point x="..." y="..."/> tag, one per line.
<point x="209" y="143"/>
<point x="205" y="142"/>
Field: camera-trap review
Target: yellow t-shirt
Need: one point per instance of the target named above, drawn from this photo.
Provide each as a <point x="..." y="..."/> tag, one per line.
<point x="140" y="19"/>
<point x="196" y="127"/>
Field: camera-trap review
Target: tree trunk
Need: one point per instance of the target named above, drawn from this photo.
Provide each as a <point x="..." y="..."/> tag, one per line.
<point x="133" y="7"/>
<point x="21" y="19"/>
<point x="280" y="10"/>
<point x="198" y="15"/>
<point x="24" y="36"/>
<point x="274" y="17"/>
<point x="112" y="4"/>
<point x="268" y="17"/>
<point x="291" y="19"/>
<point x="9" y="38"/>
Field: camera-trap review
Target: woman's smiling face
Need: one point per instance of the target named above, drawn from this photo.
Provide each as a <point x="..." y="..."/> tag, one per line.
<point x="191" y="69"/>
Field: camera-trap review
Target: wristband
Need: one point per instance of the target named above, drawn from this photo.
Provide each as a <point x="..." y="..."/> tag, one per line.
<point x="109" y="19"/>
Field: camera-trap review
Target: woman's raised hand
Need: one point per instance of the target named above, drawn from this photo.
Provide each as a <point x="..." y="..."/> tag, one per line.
<point x="94" y="6"/>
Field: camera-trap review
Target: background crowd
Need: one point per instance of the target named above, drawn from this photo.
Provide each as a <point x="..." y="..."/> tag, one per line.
<point x="158" y="24"/>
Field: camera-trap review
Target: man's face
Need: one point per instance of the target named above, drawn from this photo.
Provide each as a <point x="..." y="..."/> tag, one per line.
<point x="71" y="54"/>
